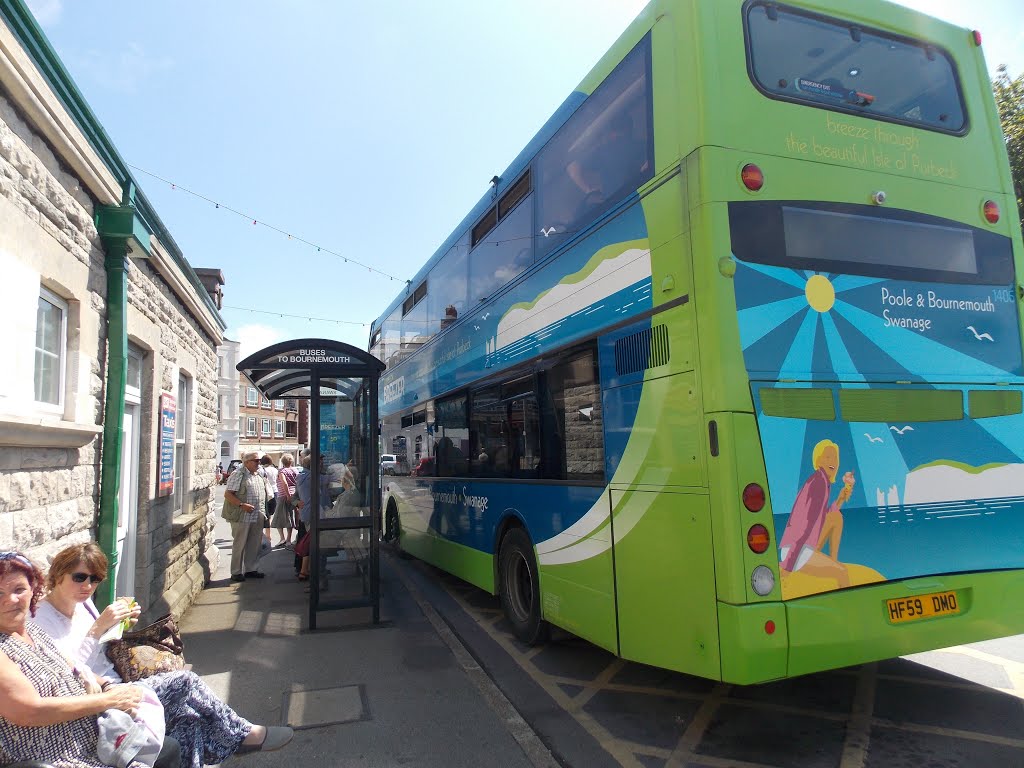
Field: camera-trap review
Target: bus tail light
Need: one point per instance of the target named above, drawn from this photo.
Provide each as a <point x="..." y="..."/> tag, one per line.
<point x="753" y="497"/>
<point x="977" y="37"/>
<point x="752" y="177"/>
<point x="991" y="211"/>
<point x="769" y="627"/>
<point x="762" y="580"/>
<point x="758" y="539"/>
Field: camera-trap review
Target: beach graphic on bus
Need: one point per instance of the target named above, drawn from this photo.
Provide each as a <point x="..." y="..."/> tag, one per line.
<point x="873" y="474"/>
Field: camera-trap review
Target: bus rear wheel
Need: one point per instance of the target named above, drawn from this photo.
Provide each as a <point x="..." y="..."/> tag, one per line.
<point x="519" y="587"/>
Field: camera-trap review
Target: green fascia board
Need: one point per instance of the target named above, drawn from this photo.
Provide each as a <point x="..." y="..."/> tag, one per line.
<point x="19" y="19"/>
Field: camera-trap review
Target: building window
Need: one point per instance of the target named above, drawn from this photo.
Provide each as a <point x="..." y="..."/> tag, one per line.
<point x="264" y="403"/>
<point x="291" y="429"/>
<point x="225" y="449"/>
<point x="279" y="427"/>
<point x="181" y="442"/>
<point x="250" y="426"/>
<point x="251" y="396"/>
<point x="51" y="346"/>
<point x="265" y="427"/>
<point x="279" y="405"/>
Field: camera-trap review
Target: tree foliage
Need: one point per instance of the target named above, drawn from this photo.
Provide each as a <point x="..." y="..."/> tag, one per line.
<point x="1009" y="95"/>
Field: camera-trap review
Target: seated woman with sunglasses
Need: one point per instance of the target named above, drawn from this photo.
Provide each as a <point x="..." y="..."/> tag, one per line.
<point x="208" y="730"/>
<point x="48" y="709"/>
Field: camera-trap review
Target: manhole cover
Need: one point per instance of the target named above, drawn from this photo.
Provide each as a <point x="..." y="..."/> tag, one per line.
<point x="326" y="706"/>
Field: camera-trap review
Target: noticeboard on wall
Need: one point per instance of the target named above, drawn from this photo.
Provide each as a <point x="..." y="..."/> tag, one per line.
<point x="168" y="416"/>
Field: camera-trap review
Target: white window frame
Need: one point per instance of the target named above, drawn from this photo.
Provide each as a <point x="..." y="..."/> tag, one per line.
<point x="250" y="426"/>
<point x="265" y="427"/>
<point x="182" y="433"/>
<point x="62" y="363"/>
<point x="278" y="427"/>
<point x="264" y="403"/>
<point x="252" y="397"/>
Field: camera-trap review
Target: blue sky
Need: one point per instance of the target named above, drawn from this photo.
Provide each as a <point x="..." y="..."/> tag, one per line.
<point x="367" y="129"/>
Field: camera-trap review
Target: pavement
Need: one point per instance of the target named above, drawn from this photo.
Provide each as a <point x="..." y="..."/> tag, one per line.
<point x="402" y="692"/>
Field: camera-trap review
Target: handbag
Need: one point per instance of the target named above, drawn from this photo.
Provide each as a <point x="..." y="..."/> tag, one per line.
<point x="231" y="512"/>
<point x="148" y="651"/>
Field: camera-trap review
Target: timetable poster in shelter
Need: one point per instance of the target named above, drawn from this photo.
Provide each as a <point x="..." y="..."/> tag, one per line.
<point x="168" y="416"/>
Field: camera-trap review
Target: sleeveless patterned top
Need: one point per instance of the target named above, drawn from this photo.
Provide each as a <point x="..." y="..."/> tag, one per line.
<point x="64" y="745"/>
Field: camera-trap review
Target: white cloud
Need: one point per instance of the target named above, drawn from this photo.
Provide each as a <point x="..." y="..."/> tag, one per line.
<point x="254" y="337"/>
<point x="47" y="12"/>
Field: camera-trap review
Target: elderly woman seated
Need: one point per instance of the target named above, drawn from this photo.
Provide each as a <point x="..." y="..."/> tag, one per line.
<point x="207" y="729"/>
<point x="49" y="709"/>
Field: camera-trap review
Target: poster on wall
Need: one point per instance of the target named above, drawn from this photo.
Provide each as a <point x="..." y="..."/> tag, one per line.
<point x="168" y="405"/>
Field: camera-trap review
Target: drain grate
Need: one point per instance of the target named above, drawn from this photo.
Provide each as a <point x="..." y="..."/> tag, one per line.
<point x="326" y="706"/>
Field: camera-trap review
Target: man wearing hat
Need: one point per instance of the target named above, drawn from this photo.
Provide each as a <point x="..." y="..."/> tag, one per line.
<point x="248" y="490"/>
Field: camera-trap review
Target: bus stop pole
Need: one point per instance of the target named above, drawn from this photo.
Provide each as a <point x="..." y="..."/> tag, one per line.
<point x="371" y="440"/>
<point x="314" y="515"/>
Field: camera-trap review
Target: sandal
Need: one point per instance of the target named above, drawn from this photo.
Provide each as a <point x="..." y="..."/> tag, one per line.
<point x="276" y="737"/>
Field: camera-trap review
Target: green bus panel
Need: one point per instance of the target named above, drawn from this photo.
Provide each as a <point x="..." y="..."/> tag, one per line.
<point x="580" y="597"/>
<point x="665" y="577"/>
<point x="750" y="652"/>
<point x="852" y="626"/>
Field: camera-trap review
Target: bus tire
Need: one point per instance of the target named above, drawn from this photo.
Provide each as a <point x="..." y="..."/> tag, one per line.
<point x="519" y="587"/>
<point x="391" y="524"/>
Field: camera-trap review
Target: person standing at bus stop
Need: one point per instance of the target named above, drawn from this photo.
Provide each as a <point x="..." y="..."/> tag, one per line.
<point x="248" y="489"/>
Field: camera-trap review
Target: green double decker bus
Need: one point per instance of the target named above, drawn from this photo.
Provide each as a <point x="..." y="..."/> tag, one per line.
<point x="725" y="373"/>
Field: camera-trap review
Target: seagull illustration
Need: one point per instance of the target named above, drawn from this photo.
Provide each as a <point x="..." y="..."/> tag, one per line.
<point x="980" y="336"/>
<point x="873" y="439"/>
<point x="899" y="431"/>
<point x="476" y="327"/>
<point x="548" y="232"/>
<point x="485" y="315"/>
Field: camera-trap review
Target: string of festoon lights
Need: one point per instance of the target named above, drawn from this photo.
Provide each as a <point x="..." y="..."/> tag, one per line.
<point x="258" y="223"/>
<point x="299" y="317"/>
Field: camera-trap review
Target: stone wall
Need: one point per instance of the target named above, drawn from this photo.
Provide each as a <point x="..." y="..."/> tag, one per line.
<point x="176" y="552"/>
<point x="48" y="496"/>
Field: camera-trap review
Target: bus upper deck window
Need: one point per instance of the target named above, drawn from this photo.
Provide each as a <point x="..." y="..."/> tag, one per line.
<point x="825" y="62"/>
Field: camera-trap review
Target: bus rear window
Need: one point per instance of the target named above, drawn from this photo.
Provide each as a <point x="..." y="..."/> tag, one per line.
<point x="811" y="59"/>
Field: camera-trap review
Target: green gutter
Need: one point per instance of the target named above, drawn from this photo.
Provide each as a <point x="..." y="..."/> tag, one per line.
<point x="121" y="231"/>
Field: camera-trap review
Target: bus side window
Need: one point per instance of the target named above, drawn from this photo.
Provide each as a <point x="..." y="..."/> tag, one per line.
<point x="572" y="427"/>
<point x="603" y="153"/>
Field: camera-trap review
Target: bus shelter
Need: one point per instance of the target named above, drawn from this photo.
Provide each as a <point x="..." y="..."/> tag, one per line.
<point x="340" y="382"/>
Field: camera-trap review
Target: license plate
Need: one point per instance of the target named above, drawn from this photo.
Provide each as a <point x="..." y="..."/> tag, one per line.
<point x="904" y="609"/>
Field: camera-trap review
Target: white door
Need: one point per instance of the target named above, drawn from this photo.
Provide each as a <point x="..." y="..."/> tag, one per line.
<point x="128" y="498"/>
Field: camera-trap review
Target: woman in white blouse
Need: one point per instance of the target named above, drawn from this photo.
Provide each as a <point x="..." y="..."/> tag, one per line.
<point x="208" y="730"/>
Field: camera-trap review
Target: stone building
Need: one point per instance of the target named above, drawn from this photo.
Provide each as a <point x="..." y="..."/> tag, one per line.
<point x="108" y="388"/>
<point x="274" y="427"/>
<point x="228" y="355"/>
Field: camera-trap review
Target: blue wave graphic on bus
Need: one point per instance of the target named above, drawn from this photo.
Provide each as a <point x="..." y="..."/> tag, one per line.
<point x="941" y="537"/>
<point x="607" y="311"/>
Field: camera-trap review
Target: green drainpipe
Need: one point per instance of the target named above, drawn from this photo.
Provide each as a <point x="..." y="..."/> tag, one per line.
<point x="113" y="411"/>
<point x="119" y="228"/>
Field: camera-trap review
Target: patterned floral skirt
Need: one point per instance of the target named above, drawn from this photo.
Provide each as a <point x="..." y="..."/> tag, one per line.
<point x="207" y="729"/>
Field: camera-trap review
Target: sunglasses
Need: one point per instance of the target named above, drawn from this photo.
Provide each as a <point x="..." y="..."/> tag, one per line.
<point x="80" y="578"/>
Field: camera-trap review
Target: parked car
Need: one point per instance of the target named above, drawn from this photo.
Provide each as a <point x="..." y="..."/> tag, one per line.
<point x="425" y="468"/>
<point x="389" y="463"/>
<point x="232" y="466"/>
